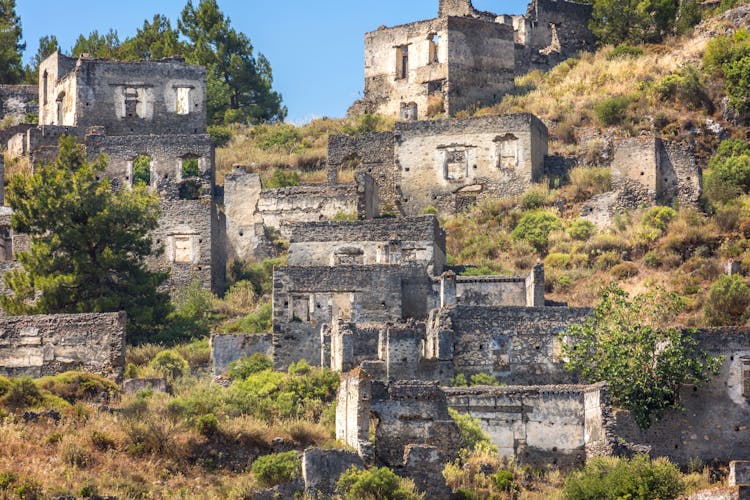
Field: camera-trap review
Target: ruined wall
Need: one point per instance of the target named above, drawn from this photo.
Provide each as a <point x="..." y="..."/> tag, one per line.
<point x="37" y="346"/>
<point x="481" y="64"/>
<point x="407" y="64"/>
<point x="518" y="345"/>
<point x="230" y="347"/>
<point x="306" y="204"/>
<point x="371" y="153"/>
<point x="141" y="98"/>
<point x="450" y="164"/>
<point x="305" y="298"/>
<point x="715" y="425"/>
<point x="539" y="425"/>
<point x="681" y="177"/>
<point x="552" y="31"/>
<point x="418" y="240"/>
<point x="188" y="216"/>
<point x="17" y="101"/>
<point x="492" y="291"/>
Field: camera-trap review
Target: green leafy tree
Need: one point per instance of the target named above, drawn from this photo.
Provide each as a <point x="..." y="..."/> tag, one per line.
<point x="239" y="84"/>
<point x="88" y="243"/>
<point x="11" y="46"/>
<point x="639" y="21"/>
<point x="99" y="46"/>
<point x="625" y="342"/>
<point x="155" y="40"/>
<point x="535" y="228"/>
<point x="47" y="46"/>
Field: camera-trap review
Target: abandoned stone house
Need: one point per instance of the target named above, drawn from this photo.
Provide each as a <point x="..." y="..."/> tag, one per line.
<point x="465" y="57"/>
<point x="149" y="119"/>
<point x="447" y="165"/>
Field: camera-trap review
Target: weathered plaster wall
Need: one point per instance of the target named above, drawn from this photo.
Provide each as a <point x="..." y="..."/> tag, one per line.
<point x="450" y="164"/>
<point x="17" y="101"/>
<point x="541" y="425"/>
<point x="36" y="346"/>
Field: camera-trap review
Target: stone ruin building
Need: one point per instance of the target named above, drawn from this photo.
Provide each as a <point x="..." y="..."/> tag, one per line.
<point x="18" y="103"/>
<point x="374" y="300"/>
<point x="465" y="57"/>
<point x="149" y="119"/>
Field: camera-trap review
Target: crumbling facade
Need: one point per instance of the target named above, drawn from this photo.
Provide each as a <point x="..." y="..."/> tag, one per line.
<point x="465" y="57"/>
<point x="149" y="119"/>
<point x="36" y="346"/>
<point x="446" y="165"/>
<point x="648" y="171"/>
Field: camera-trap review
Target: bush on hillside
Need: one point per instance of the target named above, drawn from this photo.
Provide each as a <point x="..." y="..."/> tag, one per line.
<point x="277" y="468"/>
<point x="729" y="56"/>
<point x="78" y="386"/>
<point x="535" y="228"/>
<point x="622" y="478"/>
<point x="612" y="111"/>
<point x="728" y="301"/>
<point x="470" y="431"/>
<point x="729" y="172"/>
<point x="243" y="368"/>
<point x="380" y="483"/>
<point x="170" y="364"/>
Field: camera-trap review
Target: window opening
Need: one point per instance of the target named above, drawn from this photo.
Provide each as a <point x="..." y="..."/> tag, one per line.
<point x="141" y="170"/>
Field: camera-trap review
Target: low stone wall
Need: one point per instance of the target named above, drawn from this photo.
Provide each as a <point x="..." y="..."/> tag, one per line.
<point x="37" y="346"/>
<point x="228" y="348"/>
<point x="306" y="204"/>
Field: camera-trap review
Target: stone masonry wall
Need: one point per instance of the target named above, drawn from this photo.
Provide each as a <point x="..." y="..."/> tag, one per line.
<point x="450" y="164"/>
<point x="379" y="241"/>
<point x="228" y="348"/>
<point x="539" y="425"/>
<point x="37" y="346"/>
<point x="18" y="101"/>
<point x="518" y="345"/>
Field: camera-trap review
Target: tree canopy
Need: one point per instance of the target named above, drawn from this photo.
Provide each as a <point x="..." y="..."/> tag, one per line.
<point x="239" y="84"/>
<point x="625" y="343"/>
<point x="11" y="46"/>
<point x="88" y="243"/>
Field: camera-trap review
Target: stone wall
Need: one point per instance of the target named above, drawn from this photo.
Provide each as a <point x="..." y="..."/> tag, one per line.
<point x="251" y="211"/>
<point x="518" y="345"/>
<point x="418" y="240"/>
<point x="540" y="425"/>
<point x="715" y="425"/>
<point x="17" y="101"/>
<point x="126" y="98"/>
<point x="370" y="153"/>
<point x="230" y="347"/>
<point x="305" y="298"/>
<point x="37" y="346"/>
<point x="492" y="291"/>
<point x="450" y="164"/>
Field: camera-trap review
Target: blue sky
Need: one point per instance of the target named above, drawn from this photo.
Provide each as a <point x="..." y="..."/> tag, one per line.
<point x="315" y="48"/>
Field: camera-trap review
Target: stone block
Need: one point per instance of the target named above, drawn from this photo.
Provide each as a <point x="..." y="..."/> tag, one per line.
<point x="321" y="469"/>
<point x="739" y="473"/>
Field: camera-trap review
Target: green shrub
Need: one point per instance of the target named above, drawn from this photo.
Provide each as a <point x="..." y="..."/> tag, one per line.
<point x="7" y="479"/>
<point x="504" y="481"/>
<point x="623" y="51"/>
<point x="581" y="229"/>
<point x="625" y="270"/>
<point x="622" y="478"/>
<point x="730" y="57"/>
<point x="220" y="135"/>
<point x="469" y="430"/>
<point x="74" y="454"/>
<point x="484" y="379"/>
<point x="170" y="364"/>
<point x="23" y="392"/>
<point x="653" y="260"/>
<point x="379" y="483"/>
<point x="29" y="489"/>
<point x="535" y="227"/>
<point x="728" y="179"/>
<point x="142" y="170"/>
<point x="534" y="198"/>
<point x="728" y="301"/>
<point x="607" y="261"/>
<point x="79" y="386"/>
<point x="4" y="385"/>
<point x="277" y="468"/>
<point x="658" y="218"/>
<point x="612" y="111"/>
<point x="684" y="86"/>
<point x="460" y="380"/>
<point x="259" y="321"/>
<point x="345" y="216"/>
<point x="430" y="210"/>
<point x="558" y="261"/>
<point x="282" y="178"/>
<point x="102" y="441"/>
<point x="207" y="425"/>
<point x="243" y="368"/>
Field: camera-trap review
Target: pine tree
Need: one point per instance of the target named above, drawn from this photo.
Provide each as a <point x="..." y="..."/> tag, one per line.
<point x="11" y="46"/>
